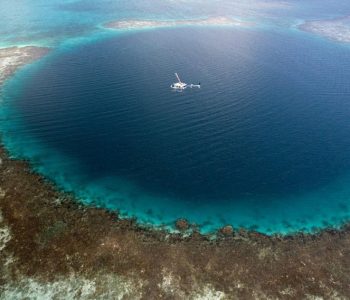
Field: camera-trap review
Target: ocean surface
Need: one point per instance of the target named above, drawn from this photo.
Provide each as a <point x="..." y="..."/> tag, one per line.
<point x="264" y="144"/>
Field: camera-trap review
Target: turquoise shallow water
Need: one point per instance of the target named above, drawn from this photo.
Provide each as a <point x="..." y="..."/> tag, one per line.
<point x="53" y="22"/>
<point x="264" y="144"/>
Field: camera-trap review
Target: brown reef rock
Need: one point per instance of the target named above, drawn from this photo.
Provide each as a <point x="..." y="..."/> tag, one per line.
<point x="227" y="230"/>
<point x="182" y="224"/>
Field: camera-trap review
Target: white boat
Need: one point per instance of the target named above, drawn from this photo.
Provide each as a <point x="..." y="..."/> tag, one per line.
<point x="180" y="86"/>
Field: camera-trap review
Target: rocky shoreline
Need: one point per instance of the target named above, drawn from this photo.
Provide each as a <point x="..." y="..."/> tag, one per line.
<point x="52" y="246"/>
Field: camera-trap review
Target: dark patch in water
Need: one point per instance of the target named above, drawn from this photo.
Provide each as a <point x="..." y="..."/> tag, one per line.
<point x="271" y="120"/>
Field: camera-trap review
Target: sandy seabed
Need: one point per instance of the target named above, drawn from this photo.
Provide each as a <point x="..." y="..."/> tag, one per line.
<point x="142" y="24"/>
<point x="334" y="29"/>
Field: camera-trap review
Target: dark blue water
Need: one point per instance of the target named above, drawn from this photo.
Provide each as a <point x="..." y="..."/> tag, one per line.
<point x="265" y="142"/>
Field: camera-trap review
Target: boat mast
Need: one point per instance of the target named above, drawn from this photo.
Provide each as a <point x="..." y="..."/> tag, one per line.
<point x="178" y="78"/>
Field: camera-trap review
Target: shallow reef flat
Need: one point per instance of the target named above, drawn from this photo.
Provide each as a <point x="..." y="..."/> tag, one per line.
<point x="51" y="246"/>
<point x="14" y="57"/>
<point x="140" y="24"/>
<point x="334" y="29"/>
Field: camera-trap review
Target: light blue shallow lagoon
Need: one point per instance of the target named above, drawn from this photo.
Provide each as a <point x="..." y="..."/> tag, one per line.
<point x="264" y="144"/>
